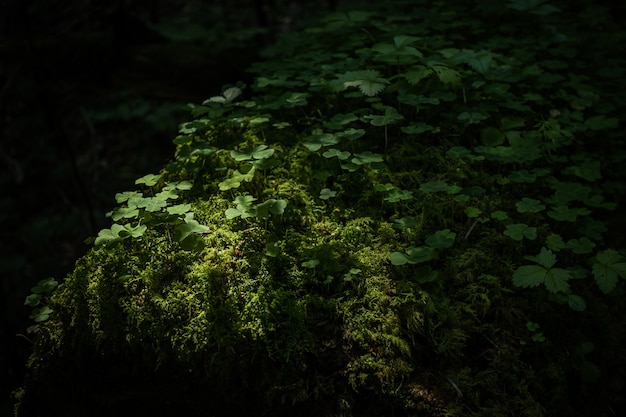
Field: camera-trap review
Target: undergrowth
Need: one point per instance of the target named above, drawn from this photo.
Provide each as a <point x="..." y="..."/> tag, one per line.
<point x="413" y="210"/>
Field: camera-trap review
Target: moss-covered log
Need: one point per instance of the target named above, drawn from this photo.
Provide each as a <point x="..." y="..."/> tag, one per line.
<point x="412" y="212"/>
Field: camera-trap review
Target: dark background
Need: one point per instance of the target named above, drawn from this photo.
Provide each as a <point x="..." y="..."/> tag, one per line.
<point x="91" y="95"/>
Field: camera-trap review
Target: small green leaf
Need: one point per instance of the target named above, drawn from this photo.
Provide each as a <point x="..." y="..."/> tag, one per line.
<point x="564" y="213"/>
<point x="520" y="231"/>
<point x="327" y="193"/>
<point x="33" y="300"/>
<point x="434" y="186"/>
<point x="441" y="239"/>
<point x="499" y="215"/>
<point x="333" y="152"/>
<point x="555" y="242"/>
<point x="391" y="116"/>
<point x="258" y="152"/>
<point x="179" y="209"/>
<point x="181" y="232"/>
<point x="529" y="205"/>
<point x="581" y="246"/>
<point x="398" y="258"/>
<point x="529" y="276"/>
<point x="471" y="118"/>
<point x="273" y="249"/>
<point x="366" y="157"/>
<point x="546" y="258"/>
<point x="148" y="180"/>
<point x="556" y="280"/>
<point x="405" y="223"/>
<point x="472" y="212"/>
<point x="607" y="269"/>
<point x="312" y="263"/>
<point x="576" y="302"/>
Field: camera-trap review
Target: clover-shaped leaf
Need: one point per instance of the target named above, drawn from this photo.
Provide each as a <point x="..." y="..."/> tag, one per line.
<point x="519" y="231"/>
<point x="529" y="205"/>
<point x="441" y="239"/>
<point x="148" y="180"/>
<point x="327" y="193"/>
<point x="333" y="152"/>
<point x="179" y="209"/>
<point x="312" y="263"/>
<point x="366" y="157"/>
<point x="434" y="186"/>
<point x="580" y="246"/>
<point x="391" y="116"/>
<point x="569" y="214"/>
<point x="405" y="223"/>
<point x="258" y="152"/>
<point x="315" y="142"/>
<point x="417" y="128"/>
<point x="271" y="206"/>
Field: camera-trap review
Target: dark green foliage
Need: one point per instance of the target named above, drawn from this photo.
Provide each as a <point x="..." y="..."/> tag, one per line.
<point x="382" y="207"/>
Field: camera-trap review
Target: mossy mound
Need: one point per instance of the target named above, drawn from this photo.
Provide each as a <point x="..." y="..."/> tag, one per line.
<point x="410" y="215"/>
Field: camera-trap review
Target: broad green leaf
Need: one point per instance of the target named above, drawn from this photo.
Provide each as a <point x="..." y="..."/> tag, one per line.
<point x="420" y="254"/>
<point x="564" y="213"/>
<point x="181" y="232"/>
<point x="271" y="206"/>
<point x="602" y="122"/>
<point x="273" y="249"/>
<point x="366" y="157"/>
<point x="447" y="75"/>
<point x="126" y="196"/>
<point x="499" y="215"/>
<point x="398" y="258"/>
<point x="555" y="242"/>
<point x="416" y="74"/>
<point x="472" y="212"/>
<point x="417" y="128"/>
<point x="391" y="116"/>
<point x="315" y="142"/>
<point x="522" y="176"/>
<point x="179" y="209"/>
<point x="492" y="136"/>
<point x="405" y="223"/>
<point x="148" y="180"/>
<point x="333" y="152"/>
<point x="519" y="231"/>
<point x="397" y="195"/>
<point x="258" y="152"/>
<point x="529" y="276"/>
<point x="529" y="205"/>
<point x="556" y="280"/>
<point x="546" y="258"/>
<point x="607" y="269"/>
<point x="471" y="118"/>
<point x="434" y="186"/>
<point x="581" y="246"/>
<point x="193" y="242"/>
<point x="312" y="263"/>
<point x="425" y="274"/>
<point x="33" y="300"/>
<point x="327" y="193"/>
<point x="441" y="239"/>
<point x="124" y="213"/>
<point x="576" y="302"/>
<point x="45" y="285"/>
